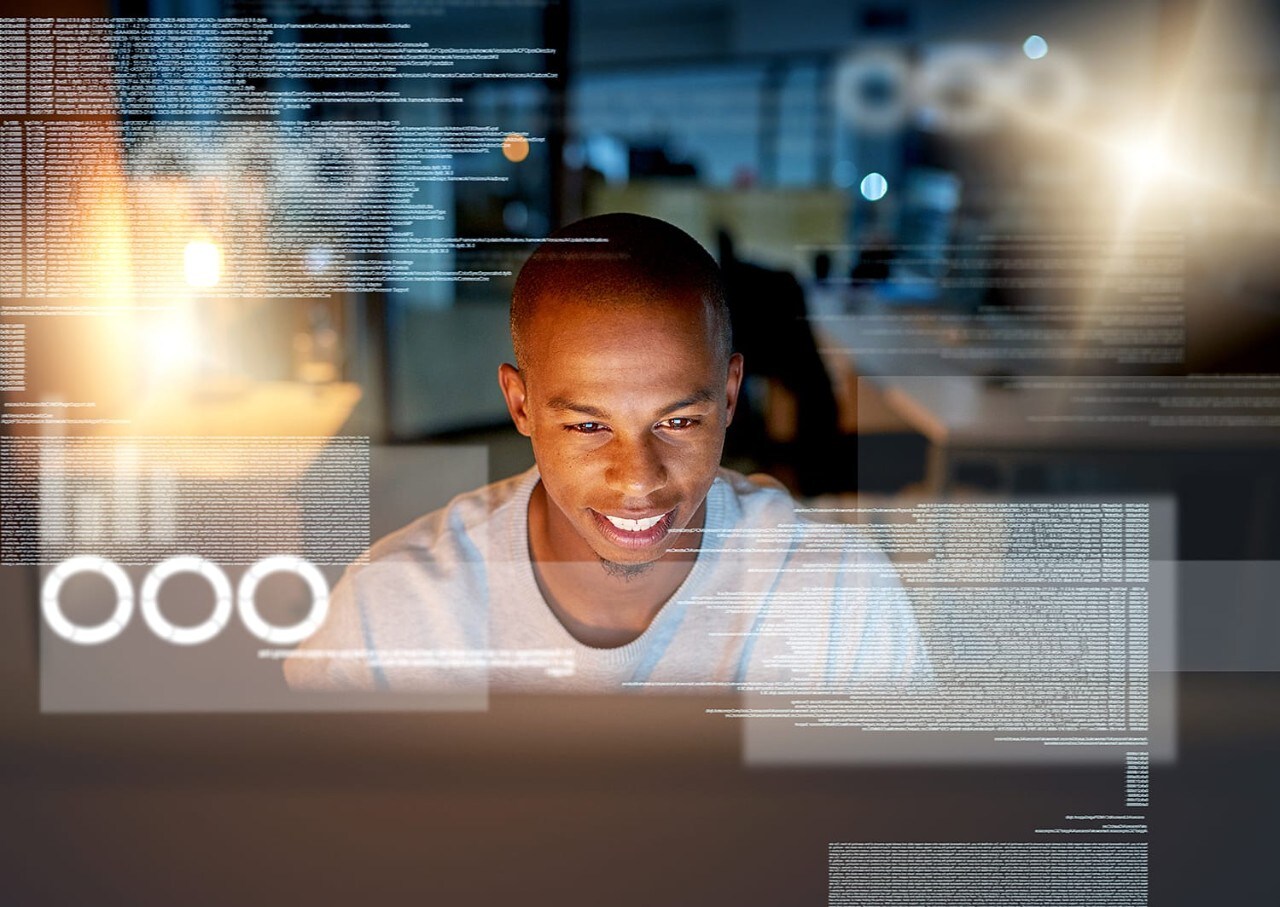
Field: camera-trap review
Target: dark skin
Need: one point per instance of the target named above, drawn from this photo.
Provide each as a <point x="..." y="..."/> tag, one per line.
<point x="626" y="408"/>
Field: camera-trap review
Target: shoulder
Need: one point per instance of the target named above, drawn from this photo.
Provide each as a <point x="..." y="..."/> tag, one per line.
<point x="470" y="523"/>
<point x="423" y="587"/>
<point x="858" y="620"/>
<point x="757" y="499"/>
<point x="444" y="557"/>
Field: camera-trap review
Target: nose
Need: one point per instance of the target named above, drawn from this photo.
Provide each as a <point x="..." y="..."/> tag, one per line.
<point x="636" y="468"/>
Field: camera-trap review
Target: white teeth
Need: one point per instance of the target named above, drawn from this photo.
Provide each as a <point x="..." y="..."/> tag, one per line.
<point x="635" y="525"/>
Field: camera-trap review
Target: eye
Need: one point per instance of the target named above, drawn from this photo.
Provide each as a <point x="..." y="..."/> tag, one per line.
<point x="586" y="428"/>
<point x="680" y="423"/>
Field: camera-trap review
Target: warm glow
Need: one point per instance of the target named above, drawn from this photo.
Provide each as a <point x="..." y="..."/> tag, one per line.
<point x="515" y="148"/>
<point x="202" y="263"/>
<point x="171" y="347"/>
<point x="1146" y="158"/>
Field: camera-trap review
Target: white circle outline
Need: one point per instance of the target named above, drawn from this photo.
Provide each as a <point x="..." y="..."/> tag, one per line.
<point x="283" y="563"/>
<point x="52" y="607"/>
<point x="949" y="66"/>
<point x="1063" y="69"/>
<point x="186" y="636"/>
<point x="854" y="68"/>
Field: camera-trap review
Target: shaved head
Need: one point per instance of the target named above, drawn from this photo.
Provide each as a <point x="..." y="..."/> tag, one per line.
<point x="625" y="387"/>
<point x="642" y="262"/>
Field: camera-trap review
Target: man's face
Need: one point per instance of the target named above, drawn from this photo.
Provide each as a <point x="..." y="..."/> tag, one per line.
<point x="627" y="409"/>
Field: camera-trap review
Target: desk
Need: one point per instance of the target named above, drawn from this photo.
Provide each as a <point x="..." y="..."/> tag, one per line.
<point x="1056" y="420"/>
<point x="232" y="474"/>
<point x="266" y="409"/>
<point x="934" y="372"/>
<point x="896" y="339"/>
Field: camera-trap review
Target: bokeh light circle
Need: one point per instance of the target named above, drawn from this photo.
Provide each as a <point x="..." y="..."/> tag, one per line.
<point x="873" y="187"/>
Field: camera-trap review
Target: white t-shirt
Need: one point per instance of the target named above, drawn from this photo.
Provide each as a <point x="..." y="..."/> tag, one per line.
<point x="772" y="603"/>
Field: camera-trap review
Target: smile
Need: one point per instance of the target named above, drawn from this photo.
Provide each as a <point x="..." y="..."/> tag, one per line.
<point x="634" y="525"/>
<point x="635" y="532"/>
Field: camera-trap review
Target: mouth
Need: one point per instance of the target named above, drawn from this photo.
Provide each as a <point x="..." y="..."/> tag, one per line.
<point x="635" y="532"/>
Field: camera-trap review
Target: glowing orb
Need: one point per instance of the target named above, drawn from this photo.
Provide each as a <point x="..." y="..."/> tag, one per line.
<point x="873" y="187"/>
<point x="515" y="148"/>
<point x="1035" y="47"/>
<point x="202" y="263"/>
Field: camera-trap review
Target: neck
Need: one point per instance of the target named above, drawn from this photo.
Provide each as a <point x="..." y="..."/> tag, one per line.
<point x="601" y="604"/>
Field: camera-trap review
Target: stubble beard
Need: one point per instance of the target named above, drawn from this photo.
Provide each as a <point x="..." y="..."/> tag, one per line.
<point x="624" y="572"/>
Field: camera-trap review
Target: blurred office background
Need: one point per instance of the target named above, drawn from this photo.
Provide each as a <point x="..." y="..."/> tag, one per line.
<point x="919" y="207"/>
<point x="894" y="189"/>
<point x="917" y="190"/>
<point x="969" y="249"/>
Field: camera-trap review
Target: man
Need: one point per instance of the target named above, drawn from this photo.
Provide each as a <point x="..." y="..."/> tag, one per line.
<point x="626" y="557"/>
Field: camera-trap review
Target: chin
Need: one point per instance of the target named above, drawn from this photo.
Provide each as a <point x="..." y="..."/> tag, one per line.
<point x="629" y="558"/>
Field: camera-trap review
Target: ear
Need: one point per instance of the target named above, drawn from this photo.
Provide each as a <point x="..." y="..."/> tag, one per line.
<point x="516" y="395"/>
<point x="733" y="383"/>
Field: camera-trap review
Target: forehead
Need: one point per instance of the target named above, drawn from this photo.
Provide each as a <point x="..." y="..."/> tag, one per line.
<point x="622" y="325"/>
<point x="657" y="346"/>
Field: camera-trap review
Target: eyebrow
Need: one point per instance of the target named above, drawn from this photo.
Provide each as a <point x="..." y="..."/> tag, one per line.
<point x="564" y="403"/>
